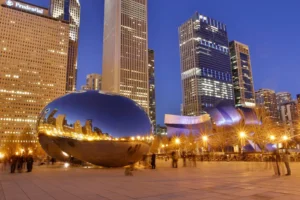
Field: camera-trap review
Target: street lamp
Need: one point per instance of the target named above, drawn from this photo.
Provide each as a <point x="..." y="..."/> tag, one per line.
<point x="177" y="141"/>
<point x="242" y="137"/>
<point x="285" y="139"/>
<point x="272" y="137"/>
<point x="205" y="138"/>
<point x="242" y="134"/>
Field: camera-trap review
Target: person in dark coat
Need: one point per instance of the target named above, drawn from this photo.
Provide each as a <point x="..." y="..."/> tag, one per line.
<point x="13" y="161"/>
<point x="184" y="158"/>
<point x="153" y="161"/>
<point x="20" y="163"/>
<point x="29" y="161"/>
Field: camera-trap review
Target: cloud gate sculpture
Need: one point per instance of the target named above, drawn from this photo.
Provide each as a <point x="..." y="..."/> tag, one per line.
<point x="103" y="129"/>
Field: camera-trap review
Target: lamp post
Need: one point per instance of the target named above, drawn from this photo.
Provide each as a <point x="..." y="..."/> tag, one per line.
<point x="285" y="139"/>
<point x="242" y="138"/>
<point x="177" y="142"/>
<point x="205" y="139"/>
<point x="272" y="138"/>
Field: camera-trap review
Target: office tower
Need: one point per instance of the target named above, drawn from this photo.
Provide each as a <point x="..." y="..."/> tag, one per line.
<point x="33" y="64"/>
<point x="205" y="65"/>
<point x="69" y="10"/>
<point x="266" y="98"/>
<point x="298" y="104"/>
<point x="242" y="74"/>
<point x="125" y="50"/>
<point x="288" y="111"/>
<point x="283" y="97"/>
<point x="289" y="115"/>
<point x="152" y="102"/>
<point x="93" y="82"/>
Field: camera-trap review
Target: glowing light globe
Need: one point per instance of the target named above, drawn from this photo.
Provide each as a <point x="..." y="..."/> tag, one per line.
<point x="103" y="129"/>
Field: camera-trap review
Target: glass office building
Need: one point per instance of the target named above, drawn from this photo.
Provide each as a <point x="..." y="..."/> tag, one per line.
<point x="69" y="10"/>
<point x="266" y="98"/>
<point x="152" y="102"/>
<point x="242" y="74"/>
<point x="283" y="97"/>
<point x="205" y="65"/>
<point x="33" y="65"/>
<point x="125" y="50"/>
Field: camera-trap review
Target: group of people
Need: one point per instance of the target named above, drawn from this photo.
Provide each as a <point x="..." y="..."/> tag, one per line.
<point x="278" y="160"/>
<point x="18" y="163"/>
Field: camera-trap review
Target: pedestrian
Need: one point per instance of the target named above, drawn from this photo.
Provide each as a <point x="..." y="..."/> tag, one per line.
<point x="153" y="161"/>
<point x="184" y="158"/>
<point x="13" y="161"/>
<point x="174" y="160"/>
<point x="29" y="161"/>
<point x="276" y="163"/>
<point x="194" y="158"/>
<point x="20" y="163"/>
<point x="286" y="160"/>
<point x="52" y="161"/>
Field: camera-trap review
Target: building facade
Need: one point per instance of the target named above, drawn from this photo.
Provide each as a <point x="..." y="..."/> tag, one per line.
<point x="288" y="114"/>
<point x="266" y="98"/>
<point x="242" y="74"/>
<point x="33" y="64"/>
<point x="205" y="65"/>
<point x="125" y="50"/>
<point x="152" y="102"/>
<point x="298" y="104"/>
<point x="69" y="10"/>
<point x="93" y="82"/>
<point x="283" y="97"/>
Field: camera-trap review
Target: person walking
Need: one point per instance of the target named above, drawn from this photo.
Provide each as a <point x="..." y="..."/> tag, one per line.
<point x="20" y="163"/>
<point x="174" y="160"/>
<point x="29" y="161"/>
<point x="286" y="160"/>
<point x="276" y="162"/>
<point x="184" y="158"/>
<point x="13" y="165"/>
<point x="153" y="161"/>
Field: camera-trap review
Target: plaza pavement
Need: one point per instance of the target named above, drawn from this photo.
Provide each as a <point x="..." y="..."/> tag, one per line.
<point x="209" y="180"/>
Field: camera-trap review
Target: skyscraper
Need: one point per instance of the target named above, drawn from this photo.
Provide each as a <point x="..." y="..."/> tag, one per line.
<point x="69" y="10"/>
<point x="283" y="97"/>
<point x="33" y="64"/>
<point x="93" y="82"/>
<point x="298" y="104"/>
<point x="152" y="102"/>
<point x="205" y="64"/>
<point x="289" y="115"/>
<point x="288" y="112"/>
<point x="266" y="98"/>
<point x="125" y="50"/>
<point x="242" y="74"/>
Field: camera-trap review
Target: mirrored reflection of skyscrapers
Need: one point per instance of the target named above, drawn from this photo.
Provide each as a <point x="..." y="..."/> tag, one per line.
<point x="205" y="64"/>
<point x="242" y="74"/>
<point x="266" y="98"/>
<point x="33" y="64"/>
<point x="125" y="50"/>
<point x="152" y="102"/>
<point x="69" y="10"/>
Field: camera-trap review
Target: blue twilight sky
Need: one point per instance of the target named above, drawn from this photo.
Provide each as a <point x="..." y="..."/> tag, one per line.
<point x="270" y="27"/>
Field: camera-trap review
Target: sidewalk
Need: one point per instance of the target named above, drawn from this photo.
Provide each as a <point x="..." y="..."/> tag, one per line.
<point x="210" y="180"/>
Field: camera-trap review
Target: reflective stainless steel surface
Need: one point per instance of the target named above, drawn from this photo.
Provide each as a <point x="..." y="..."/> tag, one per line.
<point x="103" y="129"/>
